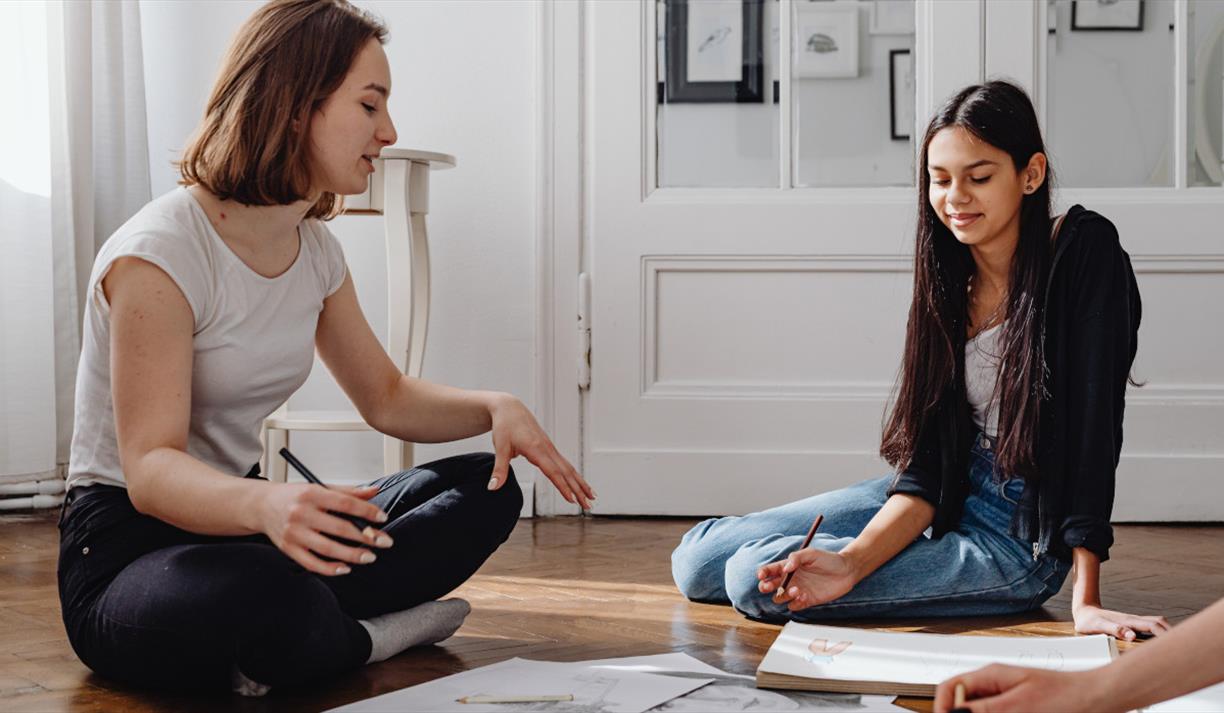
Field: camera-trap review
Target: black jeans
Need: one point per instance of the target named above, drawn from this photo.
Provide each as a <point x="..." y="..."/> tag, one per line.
<point x="149" y="604"/>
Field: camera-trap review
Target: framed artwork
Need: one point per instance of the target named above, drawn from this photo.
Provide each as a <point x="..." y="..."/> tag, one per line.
<point x="900" y="94"/>
<point x="1107" y="15"/>
<point x="826" y="40"/>
<point x="713" y="51"/>
<point x="892" y="17"/>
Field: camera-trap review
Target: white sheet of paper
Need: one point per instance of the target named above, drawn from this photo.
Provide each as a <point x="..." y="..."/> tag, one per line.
<point x="594" y="689"/>
<point x="857" y="655"/>
<point x="1208" y="700"/>
<point x="733" y="692"/>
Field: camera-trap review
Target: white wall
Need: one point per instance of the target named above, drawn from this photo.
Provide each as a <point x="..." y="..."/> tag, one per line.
<point x="463" y="76"/>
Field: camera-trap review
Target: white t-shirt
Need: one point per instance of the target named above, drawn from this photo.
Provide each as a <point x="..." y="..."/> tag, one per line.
<point x="252" y="340"/>
<point x="981" y="374"/>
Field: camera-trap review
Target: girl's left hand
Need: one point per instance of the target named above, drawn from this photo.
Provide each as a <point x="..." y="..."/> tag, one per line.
<point x="516" y="433"/>
<point x="1095" y="620"/>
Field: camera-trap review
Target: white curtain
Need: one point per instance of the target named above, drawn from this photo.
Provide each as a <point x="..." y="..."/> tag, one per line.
<point x="73" y="167"/>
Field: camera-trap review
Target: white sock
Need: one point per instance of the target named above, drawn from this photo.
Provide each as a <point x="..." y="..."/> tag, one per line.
<point x="421" y="625"/>
<point x="244" y="686"/>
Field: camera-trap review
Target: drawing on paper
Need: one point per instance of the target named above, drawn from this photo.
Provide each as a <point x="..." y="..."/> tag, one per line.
<point x="820" y="651"/>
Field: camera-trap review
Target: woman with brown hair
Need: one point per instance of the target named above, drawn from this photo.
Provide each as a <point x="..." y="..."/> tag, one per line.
<point x="203" y="316"/>
<point x="1007" y="426"/>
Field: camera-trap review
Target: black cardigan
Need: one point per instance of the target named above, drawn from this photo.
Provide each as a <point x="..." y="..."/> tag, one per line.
<point x="1092" y="312"/>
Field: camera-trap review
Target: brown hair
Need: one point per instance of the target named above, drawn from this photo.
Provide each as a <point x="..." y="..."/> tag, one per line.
<point x="287" y="58"/>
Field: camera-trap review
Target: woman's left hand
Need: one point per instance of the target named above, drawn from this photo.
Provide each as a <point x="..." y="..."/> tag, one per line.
<point x="1091" y="619"/>
<point x="516" y="433"/>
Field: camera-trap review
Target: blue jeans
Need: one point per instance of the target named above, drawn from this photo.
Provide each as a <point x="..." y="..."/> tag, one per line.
<point x="978" y="569"/>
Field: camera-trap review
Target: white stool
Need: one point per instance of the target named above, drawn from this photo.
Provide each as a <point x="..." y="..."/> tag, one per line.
<point x="399" y="191"/>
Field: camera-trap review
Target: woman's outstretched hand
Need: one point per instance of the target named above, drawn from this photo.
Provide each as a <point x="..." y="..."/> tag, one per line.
<point x="298" y="518"/>
<point x="516" y="433"/>
<point x="1120" y="625"/>
<point x="819" y="577"/>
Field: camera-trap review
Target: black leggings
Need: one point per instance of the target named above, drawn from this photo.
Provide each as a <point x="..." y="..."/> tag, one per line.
<point x="155" y="606"/>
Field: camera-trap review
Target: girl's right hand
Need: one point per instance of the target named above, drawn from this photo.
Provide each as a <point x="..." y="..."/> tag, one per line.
<point x="298" y="518"/>
<point x="1006" y="689"/>
<point x="820" y="577"/>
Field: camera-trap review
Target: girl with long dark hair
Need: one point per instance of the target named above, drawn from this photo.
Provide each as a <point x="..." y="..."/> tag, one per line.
<point x="1007" y="423"/>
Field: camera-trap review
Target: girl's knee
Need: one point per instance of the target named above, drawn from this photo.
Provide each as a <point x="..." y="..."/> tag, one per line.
<point x="743" y="585"/>
<point x="697" y="567"/>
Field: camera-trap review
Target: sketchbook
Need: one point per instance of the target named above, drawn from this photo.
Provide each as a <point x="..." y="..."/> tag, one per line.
<point x="832" y="658"/>
<point x="1208" y="700"/>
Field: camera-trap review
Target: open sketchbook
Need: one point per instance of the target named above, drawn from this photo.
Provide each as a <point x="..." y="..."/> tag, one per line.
<point x="832" y="658"/>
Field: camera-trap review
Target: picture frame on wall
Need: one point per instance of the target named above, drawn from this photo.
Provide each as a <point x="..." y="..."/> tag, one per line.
<point x="826" y="41"/>
<point x="713" y="51"/>
<point x="1107" y="16"/>
<point x="900" y="94"/>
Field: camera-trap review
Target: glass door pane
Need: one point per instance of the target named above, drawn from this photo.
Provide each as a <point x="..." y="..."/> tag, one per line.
<point x="1109" y="70"/>
<point x="853" y="93"/>
<point x="1205" y="94"/>
<point x="717" y="119"/>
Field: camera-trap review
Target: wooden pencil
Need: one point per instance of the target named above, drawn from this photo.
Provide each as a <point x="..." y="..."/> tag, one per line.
<point x="806" y="541"/>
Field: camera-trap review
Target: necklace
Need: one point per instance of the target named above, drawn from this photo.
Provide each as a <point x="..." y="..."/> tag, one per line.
<point x="991" y="319"/>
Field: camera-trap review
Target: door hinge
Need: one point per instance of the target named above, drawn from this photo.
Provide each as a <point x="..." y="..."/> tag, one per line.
<point x="584" y="331"/>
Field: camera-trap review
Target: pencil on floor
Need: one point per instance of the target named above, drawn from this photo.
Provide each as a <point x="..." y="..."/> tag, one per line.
<point x="517" y="699"/>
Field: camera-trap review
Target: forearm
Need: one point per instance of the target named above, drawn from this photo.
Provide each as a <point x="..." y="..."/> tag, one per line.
<point x="418" y="411"/>
<point x="902" y="519"/>
<point x="1189" y="657"/>
<point x="1087" y="588"/>
<point x="177" y="488"/>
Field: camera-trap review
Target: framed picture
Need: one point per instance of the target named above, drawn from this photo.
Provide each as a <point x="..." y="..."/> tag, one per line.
<point x="892" y="17"/>
<point x="713" y="51"/>
<point x="1107" y="15"/>
<point x="826" y="40"/>
<point x="900" y="94"/>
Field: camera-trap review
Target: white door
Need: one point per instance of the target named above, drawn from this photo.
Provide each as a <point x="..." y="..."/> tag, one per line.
<point x="749" y="261"/>
<point x="747" y="307"/>
<point x="1130" y="98"/>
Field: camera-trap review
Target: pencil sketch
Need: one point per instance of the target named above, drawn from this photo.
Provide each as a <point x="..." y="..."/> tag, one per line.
<point x="822" y="652"/>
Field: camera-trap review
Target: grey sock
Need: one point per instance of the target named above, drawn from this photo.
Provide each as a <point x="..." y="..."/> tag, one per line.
<point x="421" y="625"/>
<point x="244" y="686"/>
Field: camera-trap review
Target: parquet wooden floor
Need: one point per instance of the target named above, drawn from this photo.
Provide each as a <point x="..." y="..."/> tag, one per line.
<point x="560" y="589"/>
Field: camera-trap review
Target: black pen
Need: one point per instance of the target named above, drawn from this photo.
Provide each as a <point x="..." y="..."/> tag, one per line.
<point x="300" y="467"/>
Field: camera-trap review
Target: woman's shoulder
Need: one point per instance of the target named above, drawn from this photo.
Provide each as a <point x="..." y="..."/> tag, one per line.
<point x="171" y="232"/>
<point x="323" y="250"/>
<point x="1085" y="231"/>
<point x="169" y="224"/>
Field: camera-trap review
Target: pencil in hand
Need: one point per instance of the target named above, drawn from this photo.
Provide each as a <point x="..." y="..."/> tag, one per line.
<point x="958" y="699"/>
<point x="300" y="467"/>
<point x="806" y="541"/>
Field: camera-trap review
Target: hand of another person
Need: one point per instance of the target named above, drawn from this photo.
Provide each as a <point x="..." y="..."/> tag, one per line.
<point x="516" y="433"/>
<point x="1095" y="620"/>
<point x="819" y="577"/>
<point x="298" y="519"/>
<point x="1004" y="689"/>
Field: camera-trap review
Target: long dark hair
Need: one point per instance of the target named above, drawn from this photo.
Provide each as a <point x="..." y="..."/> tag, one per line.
<point x="932" y="371"/>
